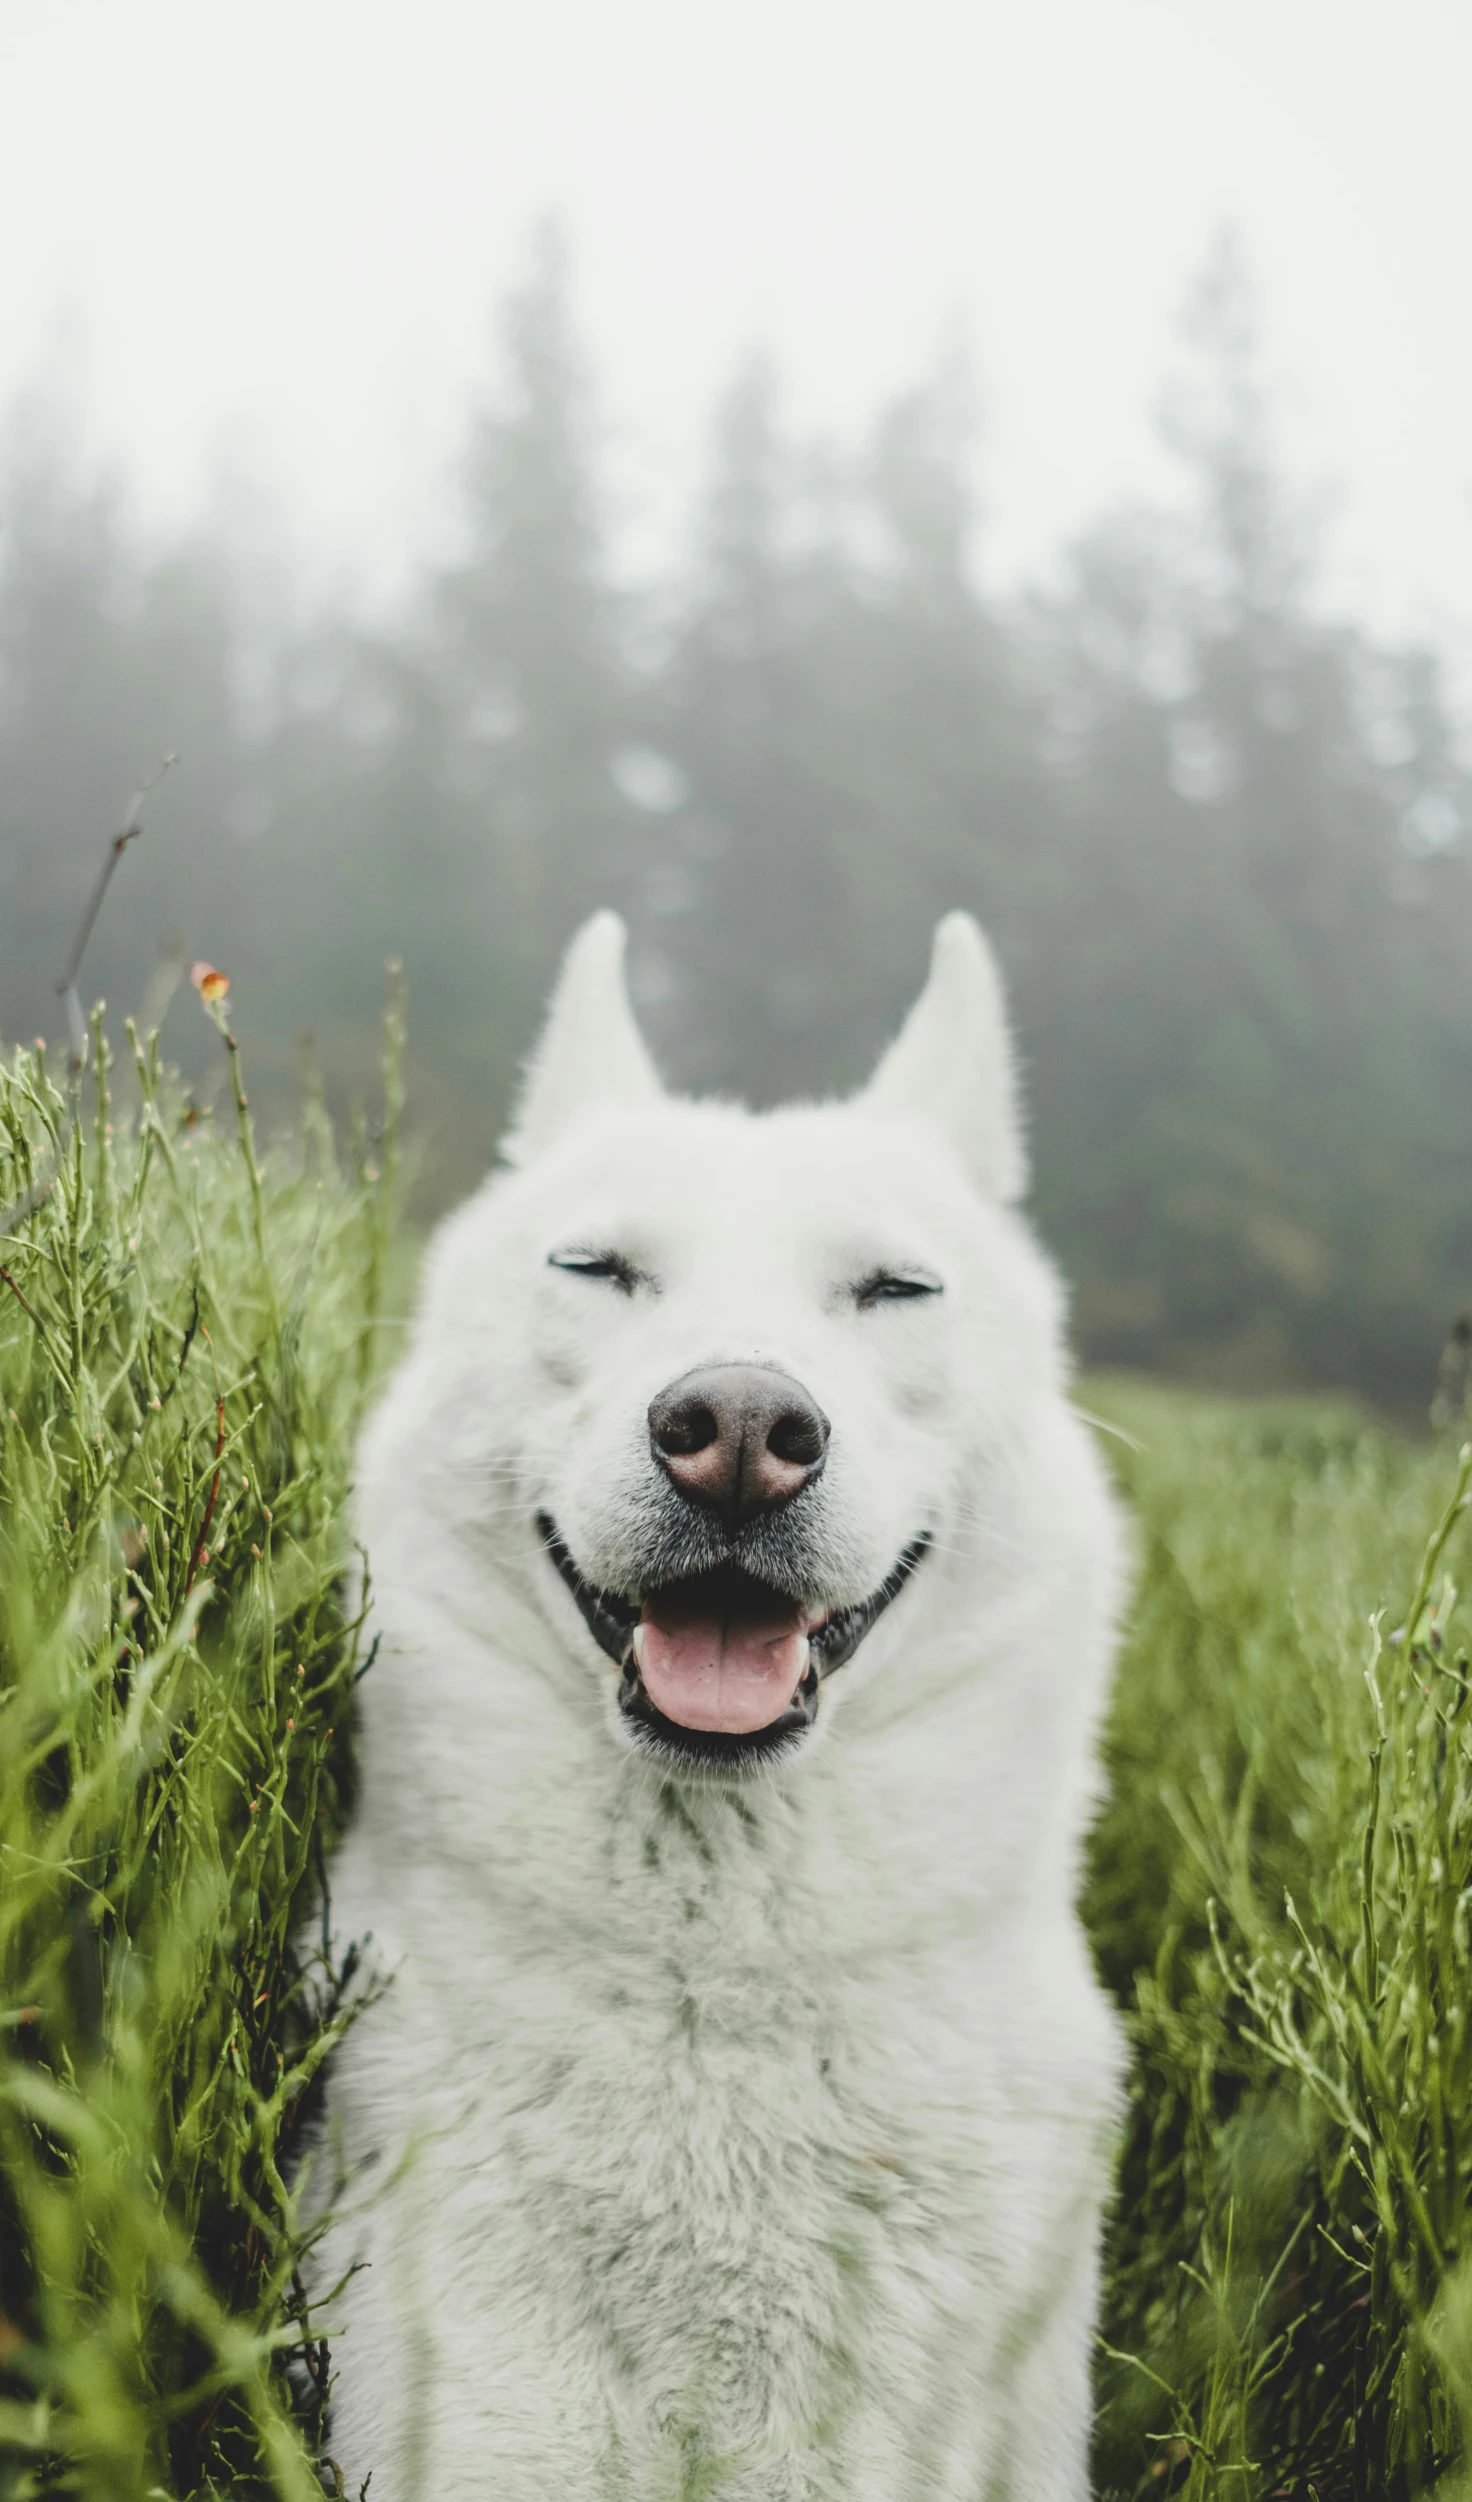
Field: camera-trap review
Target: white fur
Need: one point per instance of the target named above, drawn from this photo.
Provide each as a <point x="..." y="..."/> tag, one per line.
<point x="739" y="2136"/>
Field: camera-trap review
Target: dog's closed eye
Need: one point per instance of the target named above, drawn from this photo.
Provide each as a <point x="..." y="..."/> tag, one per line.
<point x="900" y="1285"/>
<point x="610" y="1266"/>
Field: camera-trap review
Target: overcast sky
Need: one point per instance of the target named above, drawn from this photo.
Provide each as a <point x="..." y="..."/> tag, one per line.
<point x="271" y="234"/>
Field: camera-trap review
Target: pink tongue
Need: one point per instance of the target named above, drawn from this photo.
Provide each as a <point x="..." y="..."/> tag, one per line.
<point x="714" y="1670"/>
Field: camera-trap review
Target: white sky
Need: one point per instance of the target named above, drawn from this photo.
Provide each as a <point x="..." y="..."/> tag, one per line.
<point x="277" y="228"/>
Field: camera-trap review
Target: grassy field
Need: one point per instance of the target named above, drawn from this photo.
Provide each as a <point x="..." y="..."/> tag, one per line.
<point x="1278" y="1886"/>
<point x="186" y="1339"/>
<point x="1278" y="1895"/>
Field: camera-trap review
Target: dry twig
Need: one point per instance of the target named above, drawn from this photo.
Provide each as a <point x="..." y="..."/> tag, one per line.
<point x="67" y="990"/>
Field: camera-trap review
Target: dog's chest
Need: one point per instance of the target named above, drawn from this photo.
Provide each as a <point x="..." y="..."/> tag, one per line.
<point x="718" y="2140"/>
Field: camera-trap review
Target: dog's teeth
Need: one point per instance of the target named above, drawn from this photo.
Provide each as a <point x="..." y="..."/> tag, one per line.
<point x="638" y="1646"/>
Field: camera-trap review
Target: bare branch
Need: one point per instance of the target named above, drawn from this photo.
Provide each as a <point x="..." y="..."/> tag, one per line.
<point x="67" y="989"/>
<point x="132" y="828"/>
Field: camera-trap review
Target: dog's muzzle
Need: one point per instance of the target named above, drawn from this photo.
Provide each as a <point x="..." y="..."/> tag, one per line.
<point x="720" y="1667"/>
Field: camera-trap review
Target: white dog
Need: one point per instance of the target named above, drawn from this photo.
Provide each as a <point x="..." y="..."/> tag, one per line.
<point x="742" y="2104"/>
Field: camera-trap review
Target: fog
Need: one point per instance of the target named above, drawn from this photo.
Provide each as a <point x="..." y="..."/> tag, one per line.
<point x="784" y="471"/>
<point x="272" y="237"/>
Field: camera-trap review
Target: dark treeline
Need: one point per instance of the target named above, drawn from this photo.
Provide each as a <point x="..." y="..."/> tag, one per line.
<point x="1221" y="843"/>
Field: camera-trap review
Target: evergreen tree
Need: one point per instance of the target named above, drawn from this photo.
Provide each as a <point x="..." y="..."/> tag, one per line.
<point x="859" y="752"/>
<point x="1269" y="1084"/>
<point x="752" y="971"/>
<point x="454" y="801"/>
<point x="931" y="733"/>
<point x="526" y="631"/>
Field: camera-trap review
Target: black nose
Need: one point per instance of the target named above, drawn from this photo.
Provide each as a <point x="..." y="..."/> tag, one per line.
<point x="738" y="1439"/>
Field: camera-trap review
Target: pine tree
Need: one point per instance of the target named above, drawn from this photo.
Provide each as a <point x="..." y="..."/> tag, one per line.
<point x="859" y="752"/>
<point x="456" y="801"/>
<point x="1264" y="1084"/>
<point x="525" y="632"/>
<point x="932" y="733"/>
<point x="752" y="967"/>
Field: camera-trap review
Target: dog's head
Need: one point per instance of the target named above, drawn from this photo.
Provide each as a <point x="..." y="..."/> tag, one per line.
<point x="720" y="1393"/>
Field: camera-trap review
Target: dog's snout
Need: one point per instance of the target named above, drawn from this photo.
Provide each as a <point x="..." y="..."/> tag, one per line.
<point x="738" y="1438"/>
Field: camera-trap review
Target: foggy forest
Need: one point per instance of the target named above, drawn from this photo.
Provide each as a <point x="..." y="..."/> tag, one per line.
<point x="1217" y="833"/>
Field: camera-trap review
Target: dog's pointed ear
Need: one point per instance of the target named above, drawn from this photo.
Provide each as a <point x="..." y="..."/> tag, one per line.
<point x="591" y="1053"/>
<point x="952" y="1062"/>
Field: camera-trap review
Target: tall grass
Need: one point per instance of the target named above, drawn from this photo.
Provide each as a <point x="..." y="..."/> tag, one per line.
<point x="1279" y="1897"/>
<point x="187" y="1333"/>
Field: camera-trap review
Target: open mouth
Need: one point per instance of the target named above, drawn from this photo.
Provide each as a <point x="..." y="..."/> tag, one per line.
<point x="720" y="1667"/>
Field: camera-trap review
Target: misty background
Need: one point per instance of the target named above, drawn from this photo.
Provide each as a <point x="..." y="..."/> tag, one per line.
<point x="761" y="678"/>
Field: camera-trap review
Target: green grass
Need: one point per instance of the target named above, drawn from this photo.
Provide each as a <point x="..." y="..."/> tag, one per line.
<point x="1278" y="1895"/>
<point x="1278" y="1886"/>
<point x="186" y="1339"/>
